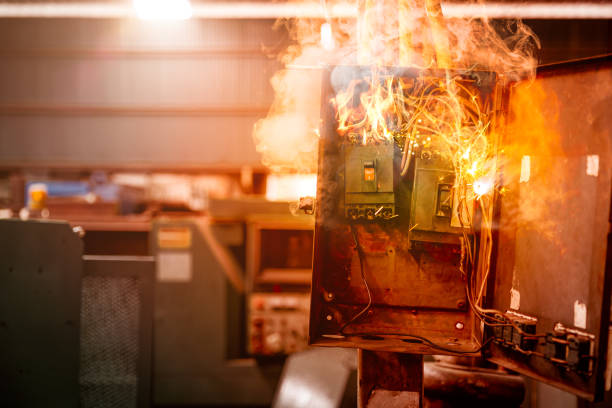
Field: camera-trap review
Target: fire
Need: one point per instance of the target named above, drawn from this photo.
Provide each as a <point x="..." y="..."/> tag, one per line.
<point x="483" y="186"/>
<point x="387" y="33"/>
<point x="437" y="115"/>
<point x="418" y="88"/>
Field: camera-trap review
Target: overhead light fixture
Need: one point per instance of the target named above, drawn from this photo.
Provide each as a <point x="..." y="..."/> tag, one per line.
<point x="182" y="9"/>
<point x="163" y="9"/>
<point x="327" y="37"/>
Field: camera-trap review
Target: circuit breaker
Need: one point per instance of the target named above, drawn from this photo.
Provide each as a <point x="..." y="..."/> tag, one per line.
<point x="369" y="190"/>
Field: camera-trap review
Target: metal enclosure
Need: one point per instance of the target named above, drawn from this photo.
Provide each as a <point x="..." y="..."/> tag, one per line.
<point x="551" y="259"/>
<point x="199" y="319"/>
<point x="408" y="250"/>
<point x="553" y="244"/>
<point x="40" y="297"/>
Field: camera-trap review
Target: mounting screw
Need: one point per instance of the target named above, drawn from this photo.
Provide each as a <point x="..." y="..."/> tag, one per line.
<point x="330" y="296"/>
<point x="329" y="317"/>
<point x="459" y="326"/>
<point x="460" y="304"/>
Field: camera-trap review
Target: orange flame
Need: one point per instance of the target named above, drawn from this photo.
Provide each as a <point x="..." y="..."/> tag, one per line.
<point x="441" y="116"/>
<point x="408" y="33"/>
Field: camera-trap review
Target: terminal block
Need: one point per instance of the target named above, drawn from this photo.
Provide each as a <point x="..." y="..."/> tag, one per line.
<point x="571" y="349"/>
<point x="516" y="332"/>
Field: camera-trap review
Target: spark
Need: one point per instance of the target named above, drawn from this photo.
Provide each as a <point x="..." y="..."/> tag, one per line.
<point x="482" y="186"/>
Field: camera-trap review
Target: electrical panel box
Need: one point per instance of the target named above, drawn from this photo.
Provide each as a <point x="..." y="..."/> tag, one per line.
<point x="391" y="268"/>
<point x="387" y="269"/>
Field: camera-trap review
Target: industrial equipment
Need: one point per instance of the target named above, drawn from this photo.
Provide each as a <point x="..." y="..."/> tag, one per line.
<point x="425" y="244"/>
<point x="199" y="349"/>
<point x="76" y="330"/>
<point x="279" y="259"/>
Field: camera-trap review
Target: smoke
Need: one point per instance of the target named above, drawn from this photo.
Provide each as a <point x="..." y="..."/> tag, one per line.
<point x="407" y="33"/>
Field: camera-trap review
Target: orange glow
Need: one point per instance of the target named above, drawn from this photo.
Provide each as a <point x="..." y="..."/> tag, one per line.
<point x="437" y="116"/>
<point x="290" y="187"/>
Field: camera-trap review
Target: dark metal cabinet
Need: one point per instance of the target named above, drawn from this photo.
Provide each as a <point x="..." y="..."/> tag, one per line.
<point x="40" y="296"/>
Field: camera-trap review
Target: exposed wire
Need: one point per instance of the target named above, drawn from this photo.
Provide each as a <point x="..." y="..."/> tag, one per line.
<point x="361" y="256"/>
<point x="428" y="342"/>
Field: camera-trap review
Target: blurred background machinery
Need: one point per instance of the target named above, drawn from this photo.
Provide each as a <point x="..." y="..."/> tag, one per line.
<point x="279" y="264"/>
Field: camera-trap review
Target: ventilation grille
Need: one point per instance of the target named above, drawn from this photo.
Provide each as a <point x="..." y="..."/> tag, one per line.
<point x="109" y="342"/>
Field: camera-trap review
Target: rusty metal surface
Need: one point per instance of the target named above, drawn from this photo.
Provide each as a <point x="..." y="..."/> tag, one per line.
<point x="396" y="276"/>
<point x="457" y="385"/>
<point x="554" y="226"/>
<point x="390" y="379"/>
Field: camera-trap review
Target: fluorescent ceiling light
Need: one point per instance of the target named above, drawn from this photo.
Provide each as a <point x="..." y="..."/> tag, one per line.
<point x="554" y="11"/>
<point x="177" y="9"/>
<point x="163" y="9"/>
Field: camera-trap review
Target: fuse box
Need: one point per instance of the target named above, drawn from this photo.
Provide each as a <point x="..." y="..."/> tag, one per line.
<point x="405" y="261"/>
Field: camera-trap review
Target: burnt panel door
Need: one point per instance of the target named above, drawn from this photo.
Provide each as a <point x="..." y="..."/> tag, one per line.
<point x="552" y="267"/>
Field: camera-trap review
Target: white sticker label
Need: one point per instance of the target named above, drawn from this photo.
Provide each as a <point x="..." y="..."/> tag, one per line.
<point x="580" y="314"/>
<point x="592" y="165"/>
<point x="174" y="266"/>
<point x="525" y="169"/>
<point x="609" y="366"/>
<point x="515" y="299"/>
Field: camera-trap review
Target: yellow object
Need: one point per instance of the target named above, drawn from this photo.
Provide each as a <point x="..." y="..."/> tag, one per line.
<point x="38" y="197"/>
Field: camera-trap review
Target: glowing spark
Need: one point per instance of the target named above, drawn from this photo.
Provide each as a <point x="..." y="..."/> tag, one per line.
<point x="482" y="186"/>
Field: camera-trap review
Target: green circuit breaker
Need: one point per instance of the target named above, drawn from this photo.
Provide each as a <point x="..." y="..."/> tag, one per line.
<point x="369" y="193"/>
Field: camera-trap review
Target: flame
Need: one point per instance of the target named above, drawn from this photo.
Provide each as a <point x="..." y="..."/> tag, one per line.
<point x="483" y="186"/>
<point x="439" y="116"/>
<point x="407" y="33"/>
<point x="437" y="111"/>
<point x="533" y="140"/>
